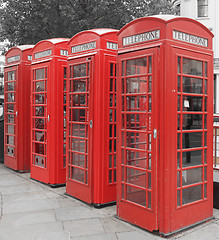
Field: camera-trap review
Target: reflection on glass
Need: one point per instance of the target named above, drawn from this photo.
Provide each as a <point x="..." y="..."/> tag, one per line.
<point x="136" y="66"/>
<point x="135" y="158"/>
<point x="78" y="174"/>
<point x="136" y="103"/>
<point x="136" y="85"/>
<point x="136" y="195"/>
<point x="192" y="85"/>
<point x="78" y="145"/>
<point x="39" y="86"/>
<point x="39" y="123"/>
<point x="79" y="85"/>
<point x="191" y="194"/>
<point x="10" y="118"/>
<point x="136" y="140"/>
<point x="150" y="64"/>
<point x="78" y="130"/>
<point x="40" y="73"/>
<point x="10" y="97"/>
<point x="11" y="76"/>
<point x="78" y="115"/>
<point x="10" y="129"/>
<point x="192" y="121"/>
<point x="10" y="140"/>
<point x="79" y="100"/>
<point x="39" y="111"/>
<point x="39" y="98"/>
<point x="39" y="148"/>
<point x="10" y="108"/>
<point x="192" y="67"/>
<point x="191" y="140"/>
<point x="136" y="177"/>
<point x="206" y="69"/>
<point x="79" y="70"/>
<point x="39" y="136"/>
<point x="191" y="158"/>
<point x="11" y="86"/>
<point x="136" y="121"/>
<point x="191" y="103"/>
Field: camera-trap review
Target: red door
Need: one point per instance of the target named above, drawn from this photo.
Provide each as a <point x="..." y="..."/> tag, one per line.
<point x="193" y="169"/>
<point x="40" y="117"/>
<point x="138" y="146"/>
<point x="80" y="124"/>
<point x="11" y="117"/>
<point x="138" y="121"/>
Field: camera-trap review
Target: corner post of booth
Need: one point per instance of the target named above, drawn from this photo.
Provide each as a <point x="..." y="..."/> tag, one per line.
<point x="48" y="112"/>
<point x="165" y="123"/>
<point x="91" y="116"/>
<point x="17" y="108"/>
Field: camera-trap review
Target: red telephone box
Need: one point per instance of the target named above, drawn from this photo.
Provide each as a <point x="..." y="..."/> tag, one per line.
<point x="165" y="119"/>
<point x="48" y="111"/>
<point x="91" y="116"/>
<point x="17" y="108"/>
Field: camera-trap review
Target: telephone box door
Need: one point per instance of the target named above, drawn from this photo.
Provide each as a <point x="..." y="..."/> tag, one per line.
<point x="39" y="116"/>
<point x="80" y="120"/>
<point x="138" y="138"/>
<point x="11" y="113"/>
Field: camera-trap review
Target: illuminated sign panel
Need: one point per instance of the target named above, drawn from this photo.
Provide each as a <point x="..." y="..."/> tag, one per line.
<point x="111" y="45"/>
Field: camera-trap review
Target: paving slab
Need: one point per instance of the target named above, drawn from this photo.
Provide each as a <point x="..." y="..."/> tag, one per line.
<point x="26" y="206"/>
<point x="52" y="236"/>
<point x="85" y="227"/>
<point x="73" y="213"/>
<point x="113" y="225"/>
<point x="134" y="235"/>
<point x="10" y="180"/>
<point x="29" y="196"/>
<point x="68" y="202"/>
<point x="15" y="220"/>
<point x="20" y="188"/>
<point x="107" y="236"/>
<point x="30" y="230"/>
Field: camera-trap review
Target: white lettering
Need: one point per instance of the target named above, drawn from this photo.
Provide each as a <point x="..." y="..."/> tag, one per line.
<point x="83" y="47"/>
<point x="185" y="37"/>
<point x="13" y="59"/>
<point x="112" y="46"/>
<point x="43" y="54"/>
<point x="143" y="37"/>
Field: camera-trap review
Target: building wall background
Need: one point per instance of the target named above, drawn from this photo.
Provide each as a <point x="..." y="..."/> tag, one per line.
<point x="189" y="8"/>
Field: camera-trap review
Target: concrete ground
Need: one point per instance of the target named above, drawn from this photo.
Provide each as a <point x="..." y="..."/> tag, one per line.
<point x="33" y="211"/>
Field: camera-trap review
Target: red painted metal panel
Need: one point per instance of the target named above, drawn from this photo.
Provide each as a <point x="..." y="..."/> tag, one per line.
<point x="91" y="122"/>
<point x="17" y="108"/>
<point x="48" y="110"/>
<point x="183" y="104"/>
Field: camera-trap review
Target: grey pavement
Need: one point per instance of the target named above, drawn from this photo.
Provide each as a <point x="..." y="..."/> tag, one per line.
<point x="33" y="211"/>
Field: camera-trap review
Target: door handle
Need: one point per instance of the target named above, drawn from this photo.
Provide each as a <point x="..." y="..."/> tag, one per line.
<point x="48" y="118"/>
<point x="16" y="113"/>
<point x="91" y="123"/>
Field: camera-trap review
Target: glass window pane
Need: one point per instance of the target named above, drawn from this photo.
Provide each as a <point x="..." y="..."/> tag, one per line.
<point x="136" y="66"/>
<point x="136" y="103"/>
<point x="79" y="85"/>
<point x="136" y="121"/>
<point x="79" y="70"/>
<point x="78" y="115"/>
<point x="136" y="85"/>
<point x="192" y="85"/>
<point x="77" y="174"/>
<point x="191" y="140"/>
<point x="191" y="194"/>
<point x="40" y="86"/>
<point x="191" y="176"/>
<point x="192" y="67"/>
<point x="135" y="158"/>
<point x="136" y="195"/>
<point x="40" y="73"/>
<point x="78" y="130"/>
<point x="191" y="103"/>
<point x="191" y="158"/>
<point x="136" y="140"/>
<point x="192" y="121"/>
<point x="136" y="177"/>
<point x="179" y="65"/>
